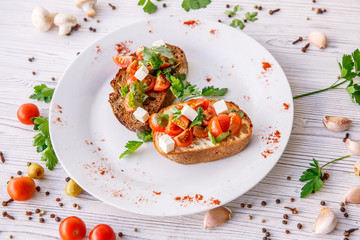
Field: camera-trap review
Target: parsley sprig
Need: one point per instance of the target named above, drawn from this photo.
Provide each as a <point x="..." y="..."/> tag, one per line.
<point x="149" y="7"/>
<point x="132" y="146"/>
<point x="313" y="177"/>
<point x="249" y="16"/>
<point x="219" y="138"/>
<point x="42" y="93"/>
<point x="350" y="72"/>
<point x="233" y="12"/>
<point x="199" y="118"/>
<point x="42" y="142"/>
<point x="137" y="94"/>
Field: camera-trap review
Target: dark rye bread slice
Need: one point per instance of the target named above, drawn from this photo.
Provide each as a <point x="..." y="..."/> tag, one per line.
<point x="153" y="104"/>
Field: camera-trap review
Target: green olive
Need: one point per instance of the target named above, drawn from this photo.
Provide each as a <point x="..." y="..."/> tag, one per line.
<point x="35" y="171"/>
<point x="72" y="188"/>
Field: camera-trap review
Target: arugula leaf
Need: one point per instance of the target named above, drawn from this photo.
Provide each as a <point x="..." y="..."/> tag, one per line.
<point x="175" y="113"/>
<point x="194" y="4"/>
<point x="199" y="118"/>
<point x="150" y="7"/>
<point x="237" y="23"/>
<point x="161" y="119"/>
<point x="241" y="114"/>
<point x="124" y="90"/>
<point x="233" y="12"/>
<point x="313" y="177"/>
<point x="145" y="136"/>
<point x="163" y="50"/>
<point x="131" y="147"/>
<point x="42" y="142"/>
<point x="212" y="91"/>
<point x="251" y="16"/>
<point x="42" y="93"/>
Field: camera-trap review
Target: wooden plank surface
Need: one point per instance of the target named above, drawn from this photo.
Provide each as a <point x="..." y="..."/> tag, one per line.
<point x="306" y="72"/>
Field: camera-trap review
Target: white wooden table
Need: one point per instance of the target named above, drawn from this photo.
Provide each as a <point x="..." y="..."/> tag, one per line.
<point x="309" y="71"/>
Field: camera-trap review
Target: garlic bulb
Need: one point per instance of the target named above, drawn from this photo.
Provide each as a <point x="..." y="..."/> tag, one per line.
<point x="325" y="222"/>
<point x="216" y="217"/>
<point x="318" y="39"/>
<point x="352" y="195"/>
<point x="357" y="168"/>
<point x="352" y="146"/>
<point x="336" y="124"/>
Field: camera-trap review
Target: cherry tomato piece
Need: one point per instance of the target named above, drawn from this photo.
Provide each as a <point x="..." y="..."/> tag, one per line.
<point x="150" y="82"/>
<point x="72" y="228"/>
<point x="102" y="232"/>
<point x="132" y="68"/>
<point x="172" y="129"/>
<point x="200" y="132"/>
<point x="26" y="112"/>
<point x="131" y="80"/>
<point x="161" y="83"/>
<point x="138" y="53"/>
<point x="184" y="139"/>
<point x="215" y="127"/>
<point x="181" y="122"/>
<point x="123" y="61"/>
<point x="235" y="123"/>
<point x="200" y="102"/>
<point x="165" y="65"/>
<point x="224" y="121"/>
<point x="156" y="123"/>
<point x="209" y="114"/>
<point x="21" y="188"/>
<point x="126" y="104"/>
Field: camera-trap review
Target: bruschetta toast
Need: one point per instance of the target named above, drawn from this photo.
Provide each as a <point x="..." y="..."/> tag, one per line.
<point x="141" y="87"/>
<point x="200" y="130"/>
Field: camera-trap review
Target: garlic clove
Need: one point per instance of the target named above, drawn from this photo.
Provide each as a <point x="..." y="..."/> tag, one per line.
<point x="336" y="124"/>
<point x="352" y="195"/>
<point x="325" y="222"/>
<point x="318" y="39"/>
<point x="352" y="146"/>
<point x="216" y="217"/>
<point x="357" y="168"/>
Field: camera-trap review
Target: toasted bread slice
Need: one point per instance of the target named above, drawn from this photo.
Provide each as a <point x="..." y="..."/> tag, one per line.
<point x="203" y="150"/>
<point x="155" y="101"/>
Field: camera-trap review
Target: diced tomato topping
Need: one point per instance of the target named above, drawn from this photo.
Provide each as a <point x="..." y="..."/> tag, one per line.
<point x="181" y="122"/>
<point x="123" y="61"/>
<point x="132" y="68"/>
<point x="200" y="132"/>
<point x="184" y="139"/>
<point x="200" y="102"/>
<point x="150" y="82"/>
<point x="172" y="129"/>
<point x="161" y="83"/>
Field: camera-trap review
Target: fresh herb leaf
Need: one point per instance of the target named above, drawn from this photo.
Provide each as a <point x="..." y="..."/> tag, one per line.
<point x="356" y="57"/>
<point x="124" y="90"/>
<point x="137" y="94"/>
<point x="241" y="114"/>
<point x="145" y="136"/>
<point x="152" y="58"/>
<point x="233" y="12"/>
<point x="42" y="142"/>
<point x="222" y="136"/>
<point x="213" y="139"/>
<point x="313" y="177"/>
<point x="131" y="147"/>
<point x="163" y="50"/>
<point x="194" y="4"/>
<point x="150" y="7"/>
<point x="141" y="2"/>
<point x="199" y="118"/>
<point x="42" y="93"/>
<point x="161" y="119"/>
<point x="251" y="16"/>
<point x="237" y="23"/>
<point x="175" y="113"/>
<point x="212" y="91"/>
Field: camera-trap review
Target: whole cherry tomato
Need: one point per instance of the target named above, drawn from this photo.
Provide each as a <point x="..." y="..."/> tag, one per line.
<point x="72" y="228"/>
<point x="102" y="232"/>
<point x="21" y="188"/>
<point x="26" y="112"/>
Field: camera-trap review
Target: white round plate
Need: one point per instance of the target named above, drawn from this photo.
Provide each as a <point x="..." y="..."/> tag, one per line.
<point x="88" y="139"/>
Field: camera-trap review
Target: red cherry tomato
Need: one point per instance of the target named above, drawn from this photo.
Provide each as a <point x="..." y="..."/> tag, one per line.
<point x="21" y="188"/>
<point x="132" y="68"/>
<point x="157" y="125"/>
<point x="224" y="121"/>
<point x="200" y="102"/>
<point x="235" y="123"/>
<point x="26" y="112"/>
<point x="102" y="232"/>
<point x="184" y="139"/>
<point x="181" y="122"/>
<point x="215" y="127"/>
<point x="123" y="61"/>
<point x="165" y="65"/>
<point x="200" y="132"/>
<point x="161" y="83"/>
<point x="72" y="228"/>
<point x="131" y="80"/>
<point x="209" y="114"/>
<point x="150" y="82"/>
<point x="172" y="129"/>
<point x="126" y="104"/>
<point x="138" y="53"/>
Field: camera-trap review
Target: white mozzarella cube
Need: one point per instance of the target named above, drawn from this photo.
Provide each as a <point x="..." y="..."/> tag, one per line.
<point x="189" y="112"/>
<point x="159" y="43"/>
<point x="220" y="107"/>
<point x="141" y="73"/>
<point x="166" y="143"/>
<point x="141" y="114"/>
